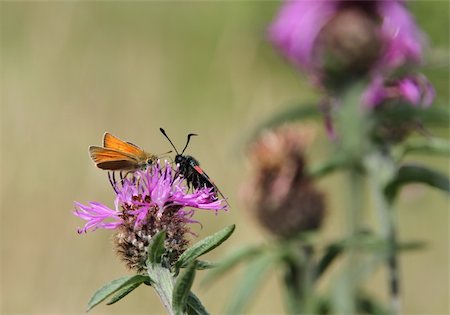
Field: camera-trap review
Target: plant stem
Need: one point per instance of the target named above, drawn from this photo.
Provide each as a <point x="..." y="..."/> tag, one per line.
<point x="354" y="215"/>
<point x="351" y="125"/>
<point x="381" y="168"/>
<point x="298" y="279"/>
<point x="163" y="283"/>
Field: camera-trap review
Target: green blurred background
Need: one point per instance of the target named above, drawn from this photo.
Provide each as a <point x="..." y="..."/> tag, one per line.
<point x="72" y="70"/>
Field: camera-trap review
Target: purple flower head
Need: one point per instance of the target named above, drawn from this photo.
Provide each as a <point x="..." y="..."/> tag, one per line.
<point x="401" y="35"/>
<point x="98" y="216"/>
<point x="153" y="190"/>
<point x="413" y="89"/>
<point x="147" y="202"/>
<point x="381" y="34"/>
<point x="297" y="26"/>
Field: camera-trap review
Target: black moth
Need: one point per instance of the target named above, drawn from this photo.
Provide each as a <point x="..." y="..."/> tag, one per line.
<point x="190" y="168"/>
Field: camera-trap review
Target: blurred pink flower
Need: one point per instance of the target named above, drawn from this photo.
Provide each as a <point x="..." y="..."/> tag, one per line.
<point x="296" y="29"/>
<point x="414" y="89"/>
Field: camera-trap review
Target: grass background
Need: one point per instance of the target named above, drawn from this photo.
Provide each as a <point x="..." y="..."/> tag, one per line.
<point x="72" y="70"/>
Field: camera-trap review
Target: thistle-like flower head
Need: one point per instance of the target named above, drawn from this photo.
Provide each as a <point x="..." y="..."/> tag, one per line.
<point x="323" y="36"/>
<point x="149" y="201"/>
<point x="281" y="194"/>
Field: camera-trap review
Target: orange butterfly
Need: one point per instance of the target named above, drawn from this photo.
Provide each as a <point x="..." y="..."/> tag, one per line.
<point x="118" y="155"/>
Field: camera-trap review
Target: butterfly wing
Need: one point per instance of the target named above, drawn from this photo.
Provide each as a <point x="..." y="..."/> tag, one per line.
<point x="109" y="159"/>
<point x="114" y="143"/>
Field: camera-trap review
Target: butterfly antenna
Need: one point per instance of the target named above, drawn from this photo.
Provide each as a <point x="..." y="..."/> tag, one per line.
<point x="165" y="135"/>
<point x="166" y="154"/>
<point x="187" y="142"/>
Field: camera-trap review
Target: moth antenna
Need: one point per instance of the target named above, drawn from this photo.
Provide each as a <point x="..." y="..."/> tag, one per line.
<point x="165" y="135"/>
<point x="187" y="142"/>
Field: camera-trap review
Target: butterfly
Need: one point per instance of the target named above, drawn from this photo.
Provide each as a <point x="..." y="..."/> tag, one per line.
<point x="190" y="168"/>
<point x="118" y="155"/>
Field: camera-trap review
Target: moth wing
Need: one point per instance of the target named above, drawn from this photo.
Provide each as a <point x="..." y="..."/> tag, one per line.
<point x="208" y="180"/>
<point x="109" y="159"/>
<point x="112" y="142"/>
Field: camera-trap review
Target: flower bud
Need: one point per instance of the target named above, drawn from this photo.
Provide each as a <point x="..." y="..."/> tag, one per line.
<point x="280" y="193"/>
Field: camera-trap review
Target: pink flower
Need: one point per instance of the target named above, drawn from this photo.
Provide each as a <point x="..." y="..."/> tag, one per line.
<point x="298" y="32"/>
<point x="413" y="89"/>
<point x="148" y="193"/>
<point x="97" y="215"/>
<point x="297" y="26"/>
<point x="401" y="35"/>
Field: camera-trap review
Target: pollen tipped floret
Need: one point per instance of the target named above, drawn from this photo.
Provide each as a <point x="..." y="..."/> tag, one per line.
<point x="148" y="202"/>
<point x="280" y="193"/>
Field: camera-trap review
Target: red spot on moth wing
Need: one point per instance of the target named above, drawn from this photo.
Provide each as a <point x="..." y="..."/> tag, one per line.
<point x="198" y="169"/>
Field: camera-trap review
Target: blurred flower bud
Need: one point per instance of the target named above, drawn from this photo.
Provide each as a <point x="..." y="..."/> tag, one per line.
<point x="415" y="90"/>
<point x="391" y="102"/>
<point x="280" y="193"/>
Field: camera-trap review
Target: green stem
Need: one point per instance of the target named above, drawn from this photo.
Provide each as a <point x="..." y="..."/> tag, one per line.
<point x="298" y="279"/>
<point x="380" y="170"/>
<point x="292" y="278"/>
<point x="163" y="283"/>
<point x="352" y="126"/>
<point x="354" y="215"/>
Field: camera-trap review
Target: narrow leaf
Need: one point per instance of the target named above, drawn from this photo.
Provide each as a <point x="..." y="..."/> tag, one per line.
<point x="293" y="113"/>
<point x="203" y="264"/>
<point x="156" y="247"/>
<point x="368" y="305"/>
<point x="194" y="306"/>
<point x="435" y="116"/>
<point x="433" y="146"/>
<point x="121" y="293"/>
<point x="408" y="174"/>
<point x="335" y="162"/>
<point x="332" y="251"/>
<point x="115" y="285"/>
<point x="182" y="288"/>
<point x="205" y="245"/>
<point x="231" y="261"/>
<point x="250" y="282"/>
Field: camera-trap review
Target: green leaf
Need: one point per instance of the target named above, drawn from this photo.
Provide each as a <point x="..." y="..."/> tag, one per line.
<point x="121" y="293"/>
<point x="335" y="162"/>
<point x="408" y="174"/>
<point x="231" y="261"/>
<point x="250" y="282"/>
<point x="203" y="264"/>
<point x="115" y="285"/>
<point x="332" y="251"/>
<point x="433" y="146"/>
<point x="293" y="113"/>
<point x="410" y="245"/>
<point x="156" y="247"/>
<point x="205" y="245"/>
<point x="182" y="288"/>
<point x="366" y="304"/>
<point x="363" y="241"/>
<point x="435" y="116"/>
<point x="194" y="306"/>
